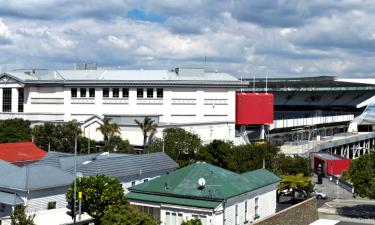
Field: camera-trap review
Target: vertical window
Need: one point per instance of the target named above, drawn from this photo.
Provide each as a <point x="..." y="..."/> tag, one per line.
<point x="159" y="92"/>
<point x="73" y="92"/>
<point x="236" y="215"/>
<point x="246" y="219"/>
<point x="115" y="92"/>
<point x="7" y="99"/>
<point x="125" y="93"/>
<point x="133" y="183"/>
<point x="179" y="219"/>
<point x="145" y="180"/>
<point x="150" y="93"/>
<point x="256" y="215"/>
<point x="51" y="205"/>
<point x="82" y="92"/>
<point x="106" y="92"/>
<point x="203" y="220"/>
<point x="92" y="92"/>
<point x="20" y="99"/>
<point x="173" y="219"/>
<point x="167" y="218"/>
<point x="139" y="93"/>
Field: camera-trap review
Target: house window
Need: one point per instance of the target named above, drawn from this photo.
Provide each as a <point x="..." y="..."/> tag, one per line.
<point x="20" y="99"/>
<point x="115" y="92"/>
<point x="133" y="183"/>
<point x="7" y="99"/>
<point x="125" y="93"/>
<point x="51" y="205"/>
<point x="73" y="92"/>
<point x="236" y="215"/>
<point x="150" y="93"/>
<point x="106" y="92"/>
<point x="92" y="92"/>
<point x="82" y="92"/>
<point x="145" y="180"/>
<point x="139" y="93"/>
<point x="246" y="218"/>
<point x="256" y="215"/>
<point x="159" y="93"/>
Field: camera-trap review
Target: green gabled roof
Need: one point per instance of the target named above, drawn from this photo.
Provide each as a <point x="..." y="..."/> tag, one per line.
<point x="173" y="200"/>
<point x="220" y="183"/>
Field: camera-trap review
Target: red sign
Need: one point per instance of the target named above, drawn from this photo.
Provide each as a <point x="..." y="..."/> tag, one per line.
<point x="254" y="108"/>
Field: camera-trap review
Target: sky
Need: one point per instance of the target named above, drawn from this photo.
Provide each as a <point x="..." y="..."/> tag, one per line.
<point x="246" y="38"/>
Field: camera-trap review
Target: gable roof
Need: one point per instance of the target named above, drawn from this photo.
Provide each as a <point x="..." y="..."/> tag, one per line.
<point x="220" y="184"/>
<point x="20" y="152"/>
<point x="33" y="177"/>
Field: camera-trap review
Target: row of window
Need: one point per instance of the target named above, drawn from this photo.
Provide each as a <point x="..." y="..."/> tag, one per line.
<point x="172" y="218"/>
<point x="256" y="214"/>
<point x="7" y="99"/>
<point x="116" y="92"/>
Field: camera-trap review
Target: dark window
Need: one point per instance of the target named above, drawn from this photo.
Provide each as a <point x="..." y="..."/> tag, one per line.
<point x="92" y="92"/>
<point x="145" y="180"/>
<point x="139" y="93"/>
<point x="7" y="99"/>
<point x="73" y="92"/>
<point x="51" y="205"/>
<point x="106" y="92"/>
<point x="133" y="183"/>
<point x="115" y="92"/>
<point x="159" y="92"/>
<point x="150" y="93"/>
<point x="125" y="93"/>
<point x="20" y="99"/>
<point x="82" y="92"/>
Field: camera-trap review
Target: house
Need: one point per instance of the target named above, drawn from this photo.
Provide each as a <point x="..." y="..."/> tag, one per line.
<point x="215" y="195"/>
<point x="193" y="99"/>
<point x="20" y="153"/>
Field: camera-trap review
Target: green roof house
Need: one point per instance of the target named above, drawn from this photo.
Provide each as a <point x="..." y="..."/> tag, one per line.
<point x="215" y="195"/>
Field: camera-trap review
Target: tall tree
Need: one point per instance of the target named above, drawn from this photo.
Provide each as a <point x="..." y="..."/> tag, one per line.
<point x="362" y="175"/>
<point x="116" y="144"/>
<point x="99" y="192"/>
<point x="15" y="130"/>
<point x="216" y="153"/>
<point x="147" y="125"/>
<point x="20" y="217"/>
<point x="108" y="129"/>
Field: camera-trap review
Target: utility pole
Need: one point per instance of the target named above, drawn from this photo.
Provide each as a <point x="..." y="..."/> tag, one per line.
<point x="75" y="179"/>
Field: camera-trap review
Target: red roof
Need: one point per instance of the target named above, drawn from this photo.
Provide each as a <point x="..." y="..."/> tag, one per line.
<point x="20" y="151"/>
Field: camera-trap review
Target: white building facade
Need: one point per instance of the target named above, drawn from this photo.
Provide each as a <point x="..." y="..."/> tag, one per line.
<point x="200" y="102"/>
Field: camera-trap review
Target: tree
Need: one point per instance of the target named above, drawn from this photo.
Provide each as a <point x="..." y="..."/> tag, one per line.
<point x="362" y="174"/>
<point x="108" y="129"/>
<point x="182" y="146"/>
<point x="216" y="153"/>
<point x="195" y="221"/>
<point x="287" y="165"/>
<point x="20" y="217"/>
<point x="99" y="192"/>
<point x="126" y="215"/>
<point x="15" y="130"/>
<point x="83" y="145"/>
<point x="298" y="183"/>
<point x="116" y="144"/>
<point x="147" y="126"/>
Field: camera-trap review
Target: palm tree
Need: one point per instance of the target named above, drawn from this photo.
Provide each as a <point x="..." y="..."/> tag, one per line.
<point x="108" y="129"/>
<point x="148" y="125"/>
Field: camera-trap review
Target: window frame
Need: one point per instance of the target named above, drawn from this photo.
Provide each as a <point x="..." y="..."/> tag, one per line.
<point x="159" y="93"/>
<point x="125" y="92"/>
<point x="105" y="92"/>
<point x="82" y="93"/>
<point x="117" y="92"/>
<point x="140" y="93"/>
<point x="21" y="99"/>
<point x="73" y="92"/>
<point x="150" y="93"/>
<point x="91" y="92"/>
<point x="7" y="102"/>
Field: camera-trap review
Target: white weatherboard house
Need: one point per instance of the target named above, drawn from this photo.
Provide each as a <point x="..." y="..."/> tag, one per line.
<point x="215" y="195"/>
<point x="200" y="102"/>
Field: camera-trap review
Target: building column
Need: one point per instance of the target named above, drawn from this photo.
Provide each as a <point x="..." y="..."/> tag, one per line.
<point x="14" y="100"/>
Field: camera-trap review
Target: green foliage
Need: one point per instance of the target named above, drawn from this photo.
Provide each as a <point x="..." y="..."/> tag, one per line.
<point x="20" y="217"/>
<point x="108" y="129"/>
<point x="362" y="173"/>
<point x="15" y="130"/>
<point x="195" y="221"/>
<point x="286" y="165"/>
<point x="147" y="126"/>
<point x="60" y="137"/>
<point x="345" y="175"/>
<point x="217" y="153"/>
<point x="116" y="144"/>
<point x="83" y="145"/>
<point x="297" y="182"/>
<point x="99" y="192"/>
<point x="125" y="215"/>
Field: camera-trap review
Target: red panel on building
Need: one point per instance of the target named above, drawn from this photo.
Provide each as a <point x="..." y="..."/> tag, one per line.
<point x="20" y="152"/>
<point x="254" y="108"/>
<point x="332" y="164"/>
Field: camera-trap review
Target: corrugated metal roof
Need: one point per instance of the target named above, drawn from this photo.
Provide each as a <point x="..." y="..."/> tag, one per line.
<point x="220" y="183"/>
<point x="11" y="199"/>
<point x="20" y="151"/>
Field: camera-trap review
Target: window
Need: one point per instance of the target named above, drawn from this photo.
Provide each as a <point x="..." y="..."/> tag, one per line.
<point x="92" y="92"/>
<point x="73" y="92"/>
<point x="236" y="215"/>
<point x="159" y="93"/>
<point x="256" y="215"/>
<point x="20" y="99"/>
<point x="145" y="180"/>
<point x="139" y="93"/>
<point x="125" y="93"/>
<point x="7" y="99"/>
<point x="133" y="183"/>
<point x="115" y="92"/>
<point x="82" y="92"/>
<point x="246" y="219"/>
<point x="150" y="93"/>
<point x="106" y="92"/>
<point x="51" y="205"/>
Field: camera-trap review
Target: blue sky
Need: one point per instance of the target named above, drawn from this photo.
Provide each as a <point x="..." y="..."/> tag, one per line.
<point x="277" y="38"/>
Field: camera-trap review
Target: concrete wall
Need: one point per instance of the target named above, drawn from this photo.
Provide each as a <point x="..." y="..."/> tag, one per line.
<point x="303" y="213"/>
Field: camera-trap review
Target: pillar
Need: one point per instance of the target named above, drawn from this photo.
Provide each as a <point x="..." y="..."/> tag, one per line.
<point x="14" y="100"/>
